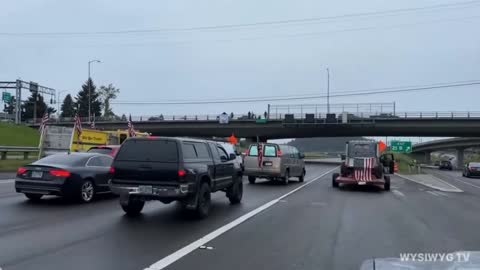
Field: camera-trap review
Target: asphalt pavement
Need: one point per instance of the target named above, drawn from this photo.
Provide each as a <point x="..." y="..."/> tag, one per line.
<point x="315" y="227"/>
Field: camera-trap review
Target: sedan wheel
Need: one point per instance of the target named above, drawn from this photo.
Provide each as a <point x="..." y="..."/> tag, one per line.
<point x="87" y="191"/>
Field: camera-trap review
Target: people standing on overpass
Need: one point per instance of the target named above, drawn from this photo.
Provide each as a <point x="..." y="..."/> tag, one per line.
<point x="249" y="115"/>
<point x="265" y="114"/>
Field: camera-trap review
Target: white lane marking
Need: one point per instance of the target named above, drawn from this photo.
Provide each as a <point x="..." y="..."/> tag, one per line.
<point x="433" y="193"/>
<point x="467" y="183"/>
<point x="6" y="181"/>
<point x="166" y="261"/>
<point x="441" y="193"/>
<point x="397" y="192"/>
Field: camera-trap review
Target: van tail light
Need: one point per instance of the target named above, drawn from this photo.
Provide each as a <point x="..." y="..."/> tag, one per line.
<point x="182" y="173"/>
<point x="21" y="171"/>
<point x="60" y="173"/>
<point x="279" y="153"/>
<point x="247" y="153"/>
<point x="112" y="170"/>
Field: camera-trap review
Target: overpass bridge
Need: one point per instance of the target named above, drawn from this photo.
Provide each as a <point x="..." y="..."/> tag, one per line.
<point x="458" y="124"/>
<point x="459" y="144"/>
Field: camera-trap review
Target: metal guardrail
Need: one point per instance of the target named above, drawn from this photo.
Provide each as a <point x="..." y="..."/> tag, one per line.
<point x="4" y="150"/>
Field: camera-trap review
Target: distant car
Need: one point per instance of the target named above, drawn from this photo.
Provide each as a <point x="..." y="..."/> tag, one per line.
<point x="231" y="150"/>
<point x="74" y="175"/>
<point x="445" y="165"/>
<point x="471" y="169"/>
<point x="278" y="162"/>
<point x="110" y="150"/>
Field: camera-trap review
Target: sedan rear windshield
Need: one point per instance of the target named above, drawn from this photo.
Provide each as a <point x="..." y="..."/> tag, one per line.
<point x="148" y="150"/>
<point x="104" y="151"/>
<point x="71" y="160"/>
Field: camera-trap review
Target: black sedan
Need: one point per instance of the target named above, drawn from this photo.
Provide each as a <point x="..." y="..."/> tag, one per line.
<point x="471" y="169"/>
<point x="75" y="175"/>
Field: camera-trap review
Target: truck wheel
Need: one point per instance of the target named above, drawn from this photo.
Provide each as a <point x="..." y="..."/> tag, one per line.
<point x="386" y="186"/>
<point x="302" y="177"/>
<point x="334" y="178"/>
<point x="133" y="207"/>
<point x="251" y="179"/>
<point x="203" y="203"/>
<point x="33" y="196"/>
<point x="235" y="191"/>
<point x="286" y="179"/>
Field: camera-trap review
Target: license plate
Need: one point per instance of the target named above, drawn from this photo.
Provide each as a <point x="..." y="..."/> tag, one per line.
<point x="267" y="163"/>
<point x="145" y="189"/>
<point x="36" y="174"/>
<point x="362" y="183"/>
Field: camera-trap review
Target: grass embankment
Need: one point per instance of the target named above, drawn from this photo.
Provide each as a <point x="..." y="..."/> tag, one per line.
<point x="315" y="155"/>
<point x="12" y="165"/>
<point x="404" y="161"/>
<point x="18" y="135"/>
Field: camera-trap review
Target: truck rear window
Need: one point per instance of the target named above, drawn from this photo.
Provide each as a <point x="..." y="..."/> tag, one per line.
<point x="151" y="150"/>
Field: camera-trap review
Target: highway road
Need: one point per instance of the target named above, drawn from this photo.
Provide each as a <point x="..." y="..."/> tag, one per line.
<point x="314" y="227"/>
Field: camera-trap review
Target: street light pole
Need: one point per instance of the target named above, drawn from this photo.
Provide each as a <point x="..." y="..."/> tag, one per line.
<point x="328" y="90"/>
<point x="89" y="88"/>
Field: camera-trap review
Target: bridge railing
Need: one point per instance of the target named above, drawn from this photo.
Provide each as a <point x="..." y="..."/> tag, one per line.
<point x="277" y="116"/>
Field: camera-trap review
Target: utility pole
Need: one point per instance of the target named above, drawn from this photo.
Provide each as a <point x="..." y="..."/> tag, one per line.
<point x="328" y="90"/>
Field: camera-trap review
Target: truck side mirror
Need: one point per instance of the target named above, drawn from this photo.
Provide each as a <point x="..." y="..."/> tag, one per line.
<point x="343" y="156"/>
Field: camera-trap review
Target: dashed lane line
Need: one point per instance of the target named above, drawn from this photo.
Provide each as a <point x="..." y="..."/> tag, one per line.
<point x="166" y="261"/>
<point x="398" y="193"/>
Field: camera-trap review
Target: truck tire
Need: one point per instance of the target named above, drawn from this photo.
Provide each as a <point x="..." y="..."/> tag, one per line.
<point x="133" y="207"/>
<point x="33" y="196"/>
<point x="286" y="179"/>
<point x="204" y="200"/>
<point x="386" y="186"/>
<point x="251" y="179"/>
<point x="235" y="191"/>
<point x="301" y="178"/>
<point x="334" y="178"/>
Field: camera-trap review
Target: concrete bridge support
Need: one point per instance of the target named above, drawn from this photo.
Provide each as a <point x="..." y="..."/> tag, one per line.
<point x="460" y="157"/>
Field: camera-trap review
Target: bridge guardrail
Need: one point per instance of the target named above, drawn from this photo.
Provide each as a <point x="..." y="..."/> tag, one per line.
<point x="4" y="150"/>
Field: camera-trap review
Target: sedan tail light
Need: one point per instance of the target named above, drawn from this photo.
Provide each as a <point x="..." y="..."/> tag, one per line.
<point x="60" y="173"/>
<point x="21" y="171"/>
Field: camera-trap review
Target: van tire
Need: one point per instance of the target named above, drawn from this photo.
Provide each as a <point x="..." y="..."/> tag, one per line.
<point x="286" y="179"/>
<point x="133" y="207"/>
<point x="251" y="179"/>
<point x="235" y="191"/>
<point x="301" y="178"/>
<point x="334" y="178"/>
<point x="204" y="201"/>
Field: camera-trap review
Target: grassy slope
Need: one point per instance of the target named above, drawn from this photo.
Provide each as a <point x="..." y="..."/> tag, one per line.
<point x="13" y="135"/>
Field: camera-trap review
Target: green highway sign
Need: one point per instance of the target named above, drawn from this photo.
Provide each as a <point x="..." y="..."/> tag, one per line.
<point x="401" y="146"/>
<point x="6" y="97"/>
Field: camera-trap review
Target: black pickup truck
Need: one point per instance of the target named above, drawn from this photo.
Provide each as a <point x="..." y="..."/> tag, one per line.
<point x="174" y="169"/>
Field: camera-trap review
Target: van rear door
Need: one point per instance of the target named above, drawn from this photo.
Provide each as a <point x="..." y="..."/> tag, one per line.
<point x="147" y="161"/>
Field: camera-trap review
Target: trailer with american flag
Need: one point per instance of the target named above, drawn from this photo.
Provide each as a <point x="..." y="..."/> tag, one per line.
<point x="361" y="165"/>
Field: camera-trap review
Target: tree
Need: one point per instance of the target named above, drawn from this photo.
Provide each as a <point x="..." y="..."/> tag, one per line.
<point x="82" y="100"/>
<point x="107" y="93"/>
<point x="124" y="118"/>
<point x="41" y="107"/>
<point x="68" y="107"/>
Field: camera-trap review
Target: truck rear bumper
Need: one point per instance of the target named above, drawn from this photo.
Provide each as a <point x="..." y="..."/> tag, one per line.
<point x="152" y="192"/>
<point x="351" y="181"/>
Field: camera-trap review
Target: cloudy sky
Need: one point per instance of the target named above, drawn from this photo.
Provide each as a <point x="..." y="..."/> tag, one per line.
<point x="195" y="51"/>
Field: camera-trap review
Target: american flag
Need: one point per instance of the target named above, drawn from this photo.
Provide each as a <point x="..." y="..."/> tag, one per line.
<point x="131" y="129"/>
<point x="92" y="124"/>
<point x="78" y="124"/>
<point x="363" y="168"/>
<point x="44" y="122"/>
<point x="260" y="155"/>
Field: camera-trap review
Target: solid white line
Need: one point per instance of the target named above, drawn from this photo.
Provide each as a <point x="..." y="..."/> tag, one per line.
<point x="467" y="183"/>
<point x="209" y="237"/>
<point x="6" y="181"/>
<point x="433" y="193"/>
<point x="397" y="192"/>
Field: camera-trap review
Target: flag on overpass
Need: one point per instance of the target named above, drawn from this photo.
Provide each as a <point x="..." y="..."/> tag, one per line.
<point x="78" y="125"/>
<point x="131" y="129"/>
<point x="43" y="125"/>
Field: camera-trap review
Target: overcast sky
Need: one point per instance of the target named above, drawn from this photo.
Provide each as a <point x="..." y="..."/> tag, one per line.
<point x="406" y="48"/>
